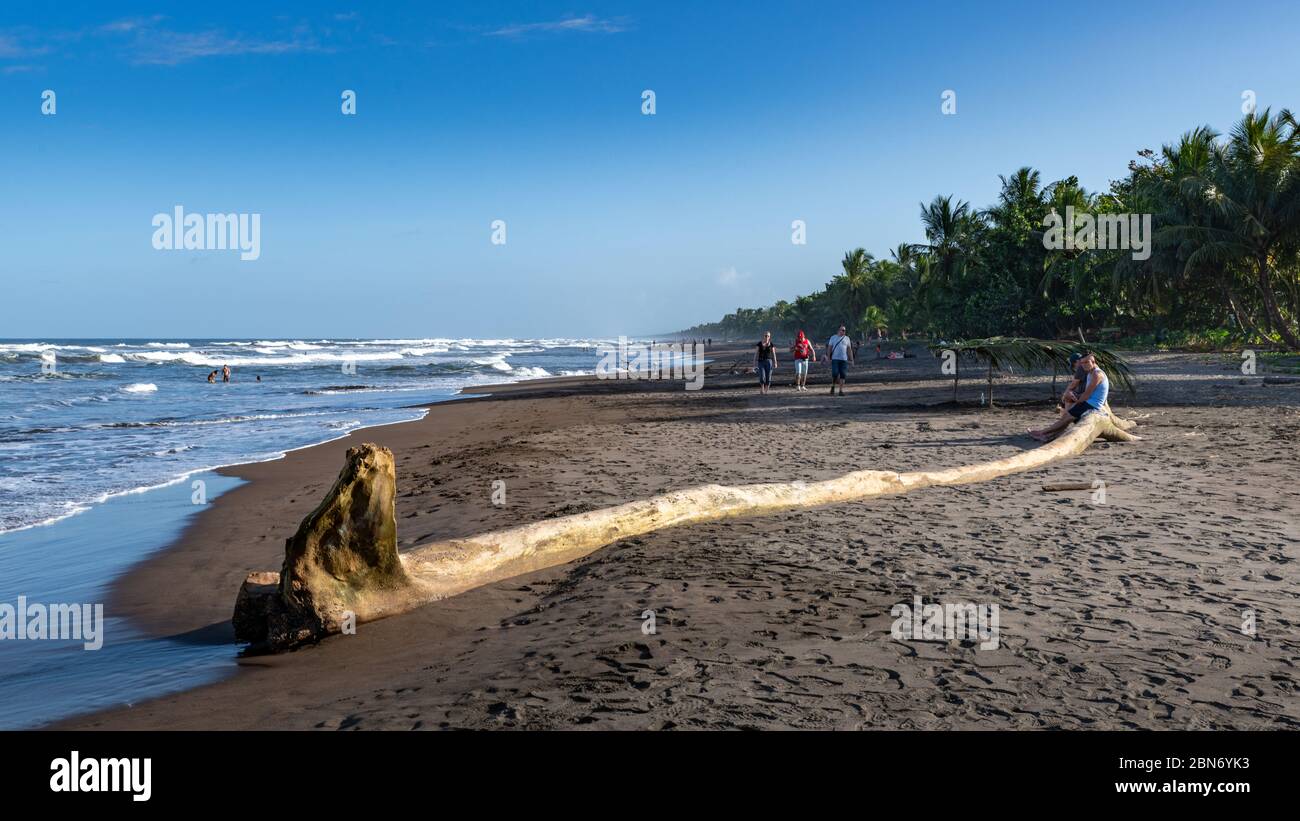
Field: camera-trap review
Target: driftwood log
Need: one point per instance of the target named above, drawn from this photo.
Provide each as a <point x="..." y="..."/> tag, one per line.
<point x="1060" y="486"/>
<point x="342" y="566"/>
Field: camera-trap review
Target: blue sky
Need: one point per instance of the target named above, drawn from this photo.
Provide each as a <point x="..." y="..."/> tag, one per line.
<point x="378" y="224"/>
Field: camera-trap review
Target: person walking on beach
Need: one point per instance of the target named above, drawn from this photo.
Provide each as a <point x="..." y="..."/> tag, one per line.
<point x="839" y="350"/>
<point x="765" y="362"/>
<point x="803" y="351"/>
<point x="225" y="373"/>
<point x="1093" y="398"/>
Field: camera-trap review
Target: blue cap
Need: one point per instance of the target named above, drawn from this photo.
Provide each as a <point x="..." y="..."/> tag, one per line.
<point x="1075" y="357"/>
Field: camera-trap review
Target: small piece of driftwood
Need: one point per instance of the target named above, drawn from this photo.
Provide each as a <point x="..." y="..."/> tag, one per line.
<point x="1068" y="486"/>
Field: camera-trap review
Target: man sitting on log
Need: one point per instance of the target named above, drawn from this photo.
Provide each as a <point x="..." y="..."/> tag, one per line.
<point x="1078" y="382"/>
<point x="1078" y="400"/>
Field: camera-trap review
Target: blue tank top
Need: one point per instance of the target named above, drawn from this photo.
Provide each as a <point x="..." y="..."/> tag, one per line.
<point x="1099" y="395"/>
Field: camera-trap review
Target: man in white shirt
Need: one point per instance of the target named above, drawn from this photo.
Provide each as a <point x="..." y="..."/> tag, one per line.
<point x="839" y="350"/>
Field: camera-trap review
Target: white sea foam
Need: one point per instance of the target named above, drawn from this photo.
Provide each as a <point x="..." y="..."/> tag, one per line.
<point x="497" y="361"/>
<point x="430" y="351"/>
<point x="278" y="344"/>
<point x="26" y="347"/>
<point x="530" y="373"/>
<point x="210" y="361"/>
<point x="165" y="415"/>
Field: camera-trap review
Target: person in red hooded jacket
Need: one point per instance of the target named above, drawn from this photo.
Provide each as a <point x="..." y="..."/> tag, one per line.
<point x="803" y="352"/>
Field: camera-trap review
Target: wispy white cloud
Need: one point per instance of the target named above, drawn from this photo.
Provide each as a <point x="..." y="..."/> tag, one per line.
<point x="587" y="23"/>
<point x="730" y="277"/>
<point x="163" y="47"/>
<point x="147" y="41"/>
<point x="130" y="24"/>
<point x="15" y="47"/>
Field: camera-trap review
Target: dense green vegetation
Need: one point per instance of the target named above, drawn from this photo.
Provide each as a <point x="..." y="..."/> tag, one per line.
<point x="1223" y="267"/>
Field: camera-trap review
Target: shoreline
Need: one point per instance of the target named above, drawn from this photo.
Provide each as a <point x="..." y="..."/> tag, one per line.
<point x="468" y="393"/>
<point x="113" y="440"/>
<point x="567" y="444"/>
<point x="126" y="600"/>
<point x="74" y="563"/>
<point x="108" y="497"/>
<point x="102" y="544"/>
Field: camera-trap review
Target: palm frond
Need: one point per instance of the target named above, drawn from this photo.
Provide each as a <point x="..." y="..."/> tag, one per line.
<point x="1005" y="353"/>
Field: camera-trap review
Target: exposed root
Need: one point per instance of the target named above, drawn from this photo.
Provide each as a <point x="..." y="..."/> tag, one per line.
<point x="1122" y="424"/>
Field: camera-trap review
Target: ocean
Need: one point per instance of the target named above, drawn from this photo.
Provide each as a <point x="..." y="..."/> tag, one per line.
<point x="82" y="421"/>
<point x="102" y="440"/>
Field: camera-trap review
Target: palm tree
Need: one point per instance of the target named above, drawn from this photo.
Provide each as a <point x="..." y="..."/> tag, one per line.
<point x="925" y="297"/>
<point x="1251" y="185"/>
<point x="1166" y="284"/>
<point x="855" y="285"/>
<point x="1021" y="188"/>
<point x="1074" y="268"/>
<point x="1160" y="187"/>
<point x="875" y="319"/>
<point x="949" y="228"/>
<point x="903" y="291"/>
<point x="899" y="318"/>
<point x="801" y="313"/>
<point x="905" y="257"/>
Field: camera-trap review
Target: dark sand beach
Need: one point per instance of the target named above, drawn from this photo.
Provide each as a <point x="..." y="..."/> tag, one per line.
<point x="1122" y="614"/>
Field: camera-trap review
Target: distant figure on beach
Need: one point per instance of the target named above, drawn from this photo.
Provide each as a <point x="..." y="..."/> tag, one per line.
<point x="212" y="377"/>
<point x="225" y="373"/>
<point x="1095" y="392"/>
<point x="839" y="350"/>
<point x="803" y="351"/>
<point x="765" y="362"/>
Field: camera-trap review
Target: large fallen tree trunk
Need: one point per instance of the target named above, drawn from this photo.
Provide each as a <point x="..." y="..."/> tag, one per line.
<point x="342" y="566"/>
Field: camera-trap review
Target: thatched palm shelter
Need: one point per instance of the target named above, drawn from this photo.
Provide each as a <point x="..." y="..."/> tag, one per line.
<point x="1006" y="353"/>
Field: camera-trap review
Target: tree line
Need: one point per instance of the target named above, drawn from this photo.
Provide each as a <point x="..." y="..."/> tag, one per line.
<point x="1222" y="262"/>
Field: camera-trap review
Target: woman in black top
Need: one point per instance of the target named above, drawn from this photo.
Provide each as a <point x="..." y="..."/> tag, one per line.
<point x="765" y="362"/>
